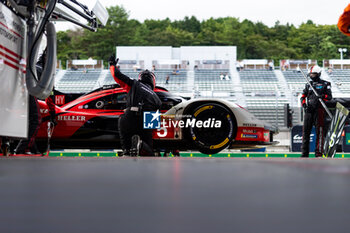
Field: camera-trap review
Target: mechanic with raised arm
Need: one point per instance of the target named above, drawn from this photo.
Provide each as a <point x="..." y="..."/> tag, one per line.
<point x="134" y="139"/>
<point x="314" y="112"/>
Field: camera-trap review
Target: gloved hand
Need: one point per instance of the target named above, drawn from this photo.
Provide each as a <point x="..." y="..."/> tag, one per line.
<point x="112" y="61"/>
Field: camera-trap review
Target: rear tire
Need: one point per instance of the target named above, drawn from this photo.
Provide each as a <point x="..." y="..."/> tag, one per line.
<point x="216" y="137"/>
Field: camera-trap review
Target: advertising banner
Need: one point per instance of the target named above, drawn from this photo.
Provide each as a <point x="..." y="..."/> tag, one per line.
<point x="297" y="136"/>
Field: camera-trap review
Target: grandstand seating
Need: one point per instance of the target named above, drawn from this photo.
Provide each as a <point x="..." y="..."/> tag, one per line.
<point x="77" y="81"/>
<point x="210" y="80"/>
<point x="342" y="79"/>
<point x="295" y="80"/>
<point x="259" y="82"/>
<point x="268" y="109"/>
<point x="264" y="95"/>
<point x="177" y="80"/>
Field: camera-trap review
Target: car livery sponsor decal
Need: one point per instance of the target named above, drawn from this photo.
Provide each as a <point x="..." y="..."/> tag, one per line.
<point x="167" y="132"/>
<point x="252" y="134"/>
<point x="70" y="118"/>
<point x="249" y="125"/>
<point x="249" y="136"/>
<point x="60" y="99"/>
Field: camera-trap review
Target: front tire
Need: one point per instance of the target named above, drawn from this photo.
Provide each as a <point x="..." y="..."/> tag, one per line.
<point x="218" y="130"/>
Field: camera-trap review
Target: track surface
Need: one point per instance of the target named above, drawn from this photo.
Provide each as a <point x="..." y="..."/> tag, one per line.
<point x="174" y="195"/>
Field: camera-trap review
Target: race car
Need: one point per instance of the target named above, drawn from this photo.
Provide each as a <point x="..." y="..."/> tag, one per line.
<point x="207" y="125"/>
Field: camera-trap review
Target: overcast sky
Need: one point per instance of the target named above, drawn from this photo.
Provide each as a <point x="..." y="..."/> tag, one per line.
<point x="265" y="11"/>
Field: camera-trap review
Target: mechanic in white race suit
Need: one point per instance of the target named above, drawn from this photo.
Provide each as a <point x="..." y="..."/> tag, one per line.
<point x="134" y="139"/>
<point x="314" y="111"/>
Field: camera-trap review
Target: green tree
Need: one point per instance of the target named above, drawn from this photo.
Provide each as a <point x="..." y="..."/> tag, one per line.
<point x="253" y="40"/>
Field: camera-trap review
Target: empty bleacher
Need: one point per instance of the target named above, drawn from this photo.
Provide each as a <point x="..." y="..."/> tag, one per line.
<point x="268" y="109"/>
<point x="177" y="79"/>
<point x="264" y="95"/>
<point x="342" y="79"/>
<point x="78" y="81"/>
<point x="213" y="80"/>
<point x="295" y="80"/>
<point x="259" y="82"/>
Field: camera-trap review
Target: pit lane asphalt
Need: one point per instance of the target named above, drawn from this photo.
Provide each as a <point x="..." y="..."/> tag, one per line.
<point x="174" y="195"/>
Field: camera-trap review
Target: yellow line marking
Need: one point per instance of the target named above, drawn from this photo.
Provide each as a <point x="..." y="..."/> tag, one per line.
<point x="267" y="155"/>
<point x="116" y="154"/>
<point x="61" y="154"/>
<point x="228" y="155"/>
<point x="247" y="155"/>
<point x="209" y="155"/>
<point x="285" y="155"/>
<point x="79" y="154"/>
<point x="342" y="156"/>
<point x="191" y="155"/>
<point x="98" y="154"/>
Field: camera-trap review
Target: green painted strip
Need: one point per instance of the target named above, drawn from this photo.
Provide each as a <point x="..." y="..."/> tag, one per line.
<point x="196" y="155"/>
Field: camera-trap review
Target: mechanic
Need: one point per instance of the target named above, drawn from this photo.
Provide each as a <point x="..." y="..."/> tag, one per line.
<point x="314" y="112"/>
<point x="135" y="140"/>
<point x="50" y="101"/>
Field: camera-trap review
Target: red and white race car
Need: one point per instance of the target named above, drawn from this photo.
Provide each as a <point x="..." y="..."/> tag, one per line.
<point x="207" y="125"/>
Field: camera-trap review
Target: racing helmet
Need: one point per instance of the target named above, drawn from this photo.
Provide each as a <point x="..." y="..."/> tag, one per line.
<point x="148" y="77"/>
<point x="315" y="72"/>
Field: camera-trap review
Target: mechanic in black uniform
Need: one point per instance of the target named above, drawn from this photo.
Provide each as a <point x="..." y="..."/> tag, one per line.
<point x="135" y="140"/>
<point x="314" y="111"/>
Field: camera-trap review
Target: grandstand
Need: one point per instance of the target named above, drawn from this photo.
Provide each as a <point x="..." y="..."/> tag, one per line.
<point x="259" y="82"/>
<point x="177" y="79"/>
<point x="341" y="79"/>
<point x="264" y="95"/>
<point x="210" y="80"/>
<point x="295" y="80"/>
<point x="78" y="81"/>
